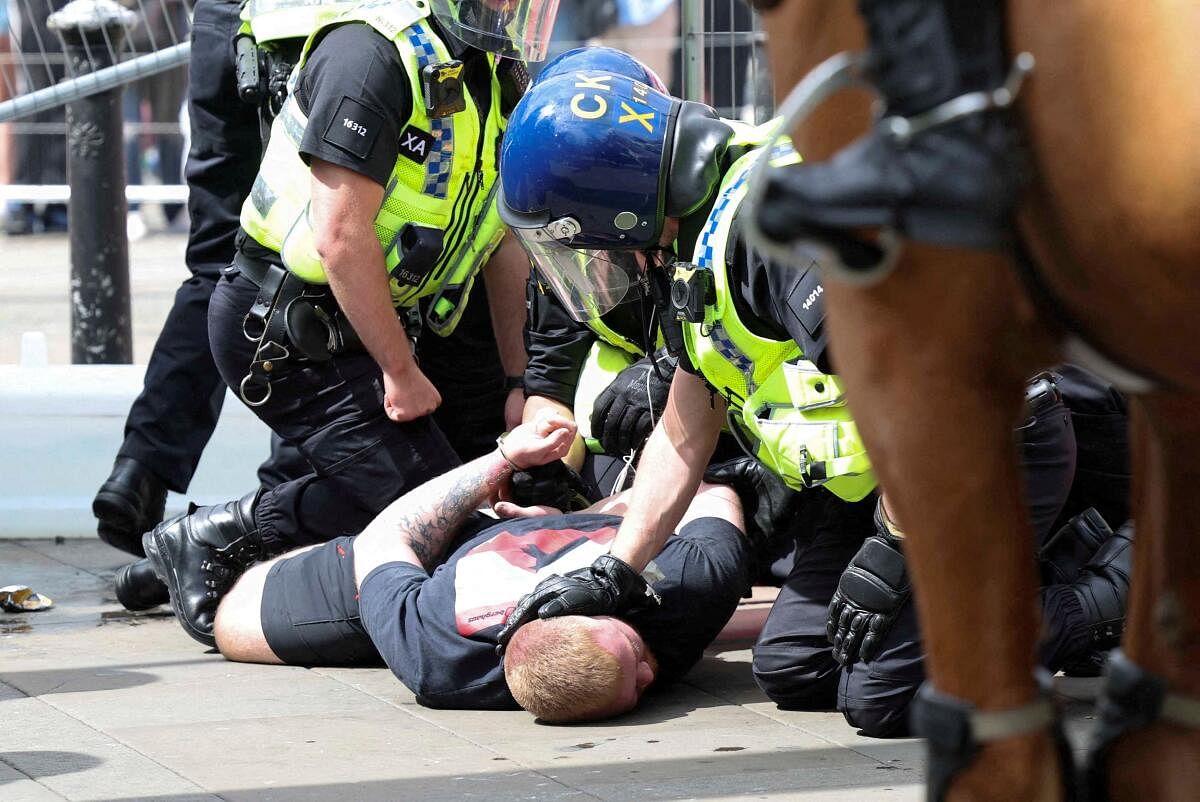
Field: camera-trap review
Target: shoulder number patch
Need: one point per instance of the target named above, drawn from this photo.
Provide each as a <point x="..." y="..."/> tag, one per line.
<point x="354" y="128"/>
<point x="415" y="144"/>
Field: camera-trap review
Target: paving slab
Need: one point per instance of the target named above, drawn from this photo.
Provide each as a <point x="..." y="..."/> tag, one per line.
<point x="127" y="707"/>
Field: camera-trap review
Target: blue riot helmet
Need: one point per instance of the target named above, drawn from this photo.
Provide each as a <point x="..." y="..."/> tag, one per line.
<point x="518" y="29"/>
<point x="601" y="59"/>
<point x="592" y="165"/>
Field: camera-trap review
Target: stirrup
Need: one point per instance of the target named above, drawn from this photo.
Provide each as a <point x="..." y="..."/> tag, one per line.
<point x="955" y="731"/>
<point x="1132" y="699"/>
<point x="870" y="198"/>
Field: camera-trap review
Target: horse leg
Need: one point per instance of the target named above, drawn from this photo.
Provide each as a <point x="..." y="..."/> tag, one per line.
<point x="1163" y="625"/>
<point x="934" y="359"/>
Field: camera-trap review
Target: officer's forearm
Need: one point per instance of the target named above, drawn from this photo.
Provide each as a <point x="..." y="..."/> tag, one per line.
<point x="504" y="277"/>
<point x="343" y="209"/>
<point x="359" y="280"/>
<point x="416" y="527"/>
<point x="670" y="470"/>
<point x="536" y="403"/>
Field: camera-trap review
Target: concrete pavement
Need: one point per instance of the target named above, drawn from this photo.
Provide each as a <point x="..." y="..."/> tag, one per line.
<point x="35" y="278"/>
<point x="100" y="704"/>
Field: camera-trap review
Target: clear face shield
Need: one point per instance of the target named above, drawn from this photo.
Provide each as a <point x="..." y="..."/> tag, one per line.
<point x="518" y="29"/>
<point x="589" y="283"/>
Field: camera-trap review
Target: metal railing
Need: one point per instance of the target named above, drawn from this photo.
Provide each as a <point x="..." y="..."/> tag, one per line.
<point x="81" y="53"/>
<point x="37" y="76"/>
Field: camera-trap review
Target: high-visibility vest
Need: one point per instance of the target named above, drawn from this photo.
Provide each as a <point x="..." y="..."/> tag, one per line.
<point x="452" y="190"/>
<point x="274" y="20"/>
<point x="783" y="410"/>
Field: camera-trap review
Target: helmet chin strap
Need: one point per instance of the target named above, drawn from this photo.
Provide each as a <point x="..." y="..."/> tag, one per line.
<point x="672" y="329"/>
<point x="697" y="148"/>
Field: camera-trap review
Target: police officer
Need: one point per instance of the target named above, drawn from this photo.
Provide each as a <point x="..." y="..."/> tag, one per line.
<point x="612" y="374"/>
<point x="751" y="344"/>
<point x="578" y="368"/>
<point x="173" y="418"/>
<point x="375" y="194"/>
<point x="647" y="171"/>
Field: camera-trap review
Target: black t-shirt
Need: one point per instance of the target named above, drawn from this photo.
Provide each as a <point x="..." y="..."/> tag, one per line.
<point x="438" y="633"/>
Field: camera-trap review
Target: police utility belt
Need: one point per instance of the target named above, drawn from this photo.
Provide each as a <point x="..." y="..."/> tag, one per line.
<point x="290" y="319"/>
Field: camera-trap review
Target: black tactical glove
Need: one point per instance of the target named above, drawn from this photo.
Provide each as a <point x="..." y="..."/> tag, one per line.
<point x="606" y="587"/>
<point x="1065" y="552"/>
<point x="555" y="484"/>
<point x="873" y="589"/>
<point x="626" y="411"/>
<point x="769" y="506"/>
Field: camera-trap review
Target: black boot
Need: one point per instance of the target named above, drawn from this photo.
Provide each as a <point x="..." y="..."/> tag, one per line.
<point x="1103" y="586"/>
<point x="138" y="588"/>
<point x="200" y="555"/>
<point x="130" y="502"/>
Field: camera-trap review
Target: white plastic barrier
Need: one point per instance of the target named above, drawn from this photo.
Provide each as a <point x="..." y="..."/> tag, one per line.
<point x="60" y="428"/>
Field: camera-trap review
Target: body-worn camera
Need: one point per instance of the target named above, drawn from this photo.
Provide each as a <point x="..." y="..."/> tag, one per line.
<point x="442" y="85"/>
<point x="693" y="293"/>
<point x="420" y="247"/>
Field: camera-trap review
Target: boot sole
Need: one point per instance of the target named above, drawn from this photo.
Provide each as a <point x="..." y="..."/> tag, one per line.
<point x="164" y="569"/>
<point x="119" y="522"/>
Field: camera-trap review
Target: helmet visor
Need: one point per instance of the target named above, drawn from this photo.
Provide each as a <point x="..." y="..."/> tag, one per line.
<point x="518" y="29"/>
<point x="588" y="283"/>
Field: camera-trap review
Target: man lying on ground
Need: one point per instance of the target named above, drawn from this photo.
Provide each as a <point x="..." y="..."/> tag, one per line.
<point x="391" y="594"/>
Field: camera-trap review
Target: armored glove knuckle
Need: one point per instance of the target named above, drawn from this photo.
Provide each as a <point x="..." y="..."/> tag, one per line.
<point x="629" y="587"/>
<point x="869" y="596"/>
<point x="626" y="410"/>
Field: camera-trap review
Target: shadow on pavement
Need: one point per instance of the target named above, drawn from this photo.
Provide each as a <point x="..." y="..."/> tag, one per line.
<point x="37" y="764"/>
<point x="86" y="678"/>
<point x="731" y="772"/>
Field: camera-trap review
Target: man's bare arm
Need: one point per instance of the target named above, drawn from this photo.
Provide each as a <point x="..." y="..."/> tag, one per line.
<point x="416" y="527"/>
<point x="670" y="469"/>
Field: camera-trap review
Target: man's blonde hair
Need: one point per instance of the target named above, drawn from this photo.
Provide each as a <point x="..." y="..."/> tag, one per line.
<point x="557" y="671"/>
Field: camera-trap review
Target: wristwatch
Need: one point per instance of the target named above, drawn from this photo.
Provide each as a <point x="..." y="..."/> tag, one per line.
<point x="514" y="383"/>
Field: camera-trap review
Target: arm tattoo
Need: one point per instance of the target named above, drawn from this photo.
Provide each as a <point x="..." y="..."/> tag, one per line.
<point x="428" y="517"/>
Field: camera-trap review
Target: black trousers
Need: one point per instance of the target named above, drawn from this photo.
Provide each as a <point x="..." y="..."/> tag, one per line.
<point x="172" y="420"/>
<point x="332" y="412"/>
<point x="793" y="660"/>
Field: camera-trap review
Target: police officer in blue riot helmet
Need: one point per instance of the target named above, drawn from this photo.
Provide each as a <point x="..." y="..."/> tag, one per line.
<point x="648" y="158"/>
<point x="600" y="176"/>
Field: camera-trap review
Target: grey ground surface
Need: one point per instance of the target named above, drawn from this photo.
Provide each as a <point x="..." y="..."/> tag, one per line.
<point x="96" y="703"/>
<point x="35" y="278"/>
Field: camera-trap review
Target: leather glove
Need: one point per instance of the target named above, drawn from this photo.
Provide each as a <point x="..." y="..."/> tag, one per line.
<point x="769" y="506"/>
<point x="606" y="587"/>
<point x="872" y="591"/>
<point x="555" y="484"/>
<point x="626" y="411"/>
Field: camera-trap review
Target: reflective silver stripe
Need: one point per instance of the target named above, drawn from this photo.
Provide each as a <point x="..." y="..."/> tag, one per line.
<point x="262" y="196"/>
<point x="293" y="126"/>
